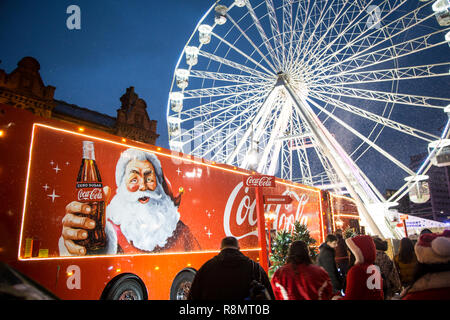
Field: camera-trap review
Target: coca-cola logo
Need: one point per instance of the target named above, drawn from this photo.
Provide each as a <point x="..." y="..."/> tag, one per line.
<point x="90" y="195"/>
<point x="259" y="181"/>
<point x="240" y="218"/>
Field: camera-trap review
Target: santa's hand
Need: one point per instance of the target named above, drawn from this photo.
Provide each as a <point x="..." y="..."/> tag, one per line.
<point x="75" y="227"/>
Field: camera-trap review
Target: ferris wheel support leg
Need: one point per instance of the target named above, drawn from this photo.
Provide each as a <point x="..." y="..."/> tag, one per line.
<point x="327" y="144"/>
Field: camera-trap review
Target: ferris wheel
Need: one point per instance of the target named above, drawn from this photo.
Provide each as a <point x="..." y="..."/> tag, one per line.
<point x="335" y="94"/>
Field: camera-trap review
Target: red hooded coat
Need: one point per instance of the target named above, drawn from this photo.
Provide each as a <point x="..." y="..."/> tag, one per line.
<point x="364" y="281"/>
<point x="309" y="283"/>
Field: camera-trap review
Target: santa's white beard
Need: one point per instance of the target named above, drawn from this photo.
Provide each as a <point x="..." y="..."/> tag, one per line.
<point x="144" y="225"/>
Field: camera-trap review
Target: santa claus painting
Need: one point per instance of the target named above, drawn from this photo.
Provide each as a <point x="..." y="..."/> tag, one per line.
<point x="142" y="217"/>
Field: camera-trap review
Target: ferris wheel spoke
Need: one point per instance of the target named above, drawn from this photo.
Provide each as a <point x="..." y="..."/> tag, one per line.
<point x="257" y="121"/>
<point x="425" y="136"/>
<point x="366" y="37"/>
<point x="392" y="97"/>
<point x="390" y="53"/>
<point x="226" y="126"/>
<point x="278" y="129"/>
<point x="234" y="139"/>
<point x="300" y="149"/>
<point x="230" y="77"/>
<point x="287" y="26"/>
<point x="394" y="74"/>
<point x="364" y="139"/>
<point x="251" y="43"/>
<point x="241" y="53"/>
<point x="233" y="64"/>
<point x="353" y="28"/>
<point x="297" y="54"/>
<point x="275" y="30"/>
<point x="218" y="105"/>
<point x="329" y="28"/>
<point x="223" y="91"/>
<point x="266" y="124"/>
<point x="263" y="35"/>
<point x="313" y="42"/>
<point x="299" y="23"/>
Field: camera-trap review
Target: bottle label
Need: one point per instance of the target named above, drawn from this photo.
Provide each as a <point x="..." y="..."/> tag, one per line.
<point x="90" y="194"/>
<point x="89" y="185"/>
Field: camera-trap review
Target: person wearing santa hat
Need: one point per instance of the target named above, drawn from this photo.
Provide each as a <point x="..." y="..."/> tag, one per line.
<point x="364" y="281"/>
<point x="431" y="280"/>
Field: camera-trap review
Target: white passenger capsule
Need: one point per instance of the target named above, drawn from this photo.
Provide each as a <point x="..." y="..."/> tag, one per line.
<point x="204" y="33"/>
<point x="442" y="12"/>
<point x="420" y="190"/>
<point x="191" y="55"/>
<point x="220" y="17"/>
<point x="174" y="126"/>
<point x="176" y="101"/>
<point x="182" y="78"/>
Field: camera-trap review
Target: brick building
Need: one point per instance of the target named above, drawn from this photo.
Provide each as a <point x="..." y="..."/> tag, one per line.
<point x="24" y="88"/>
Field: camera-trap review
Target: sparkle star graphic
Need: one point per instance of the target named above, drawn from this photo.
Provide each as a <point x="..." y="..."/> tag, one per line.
<point x="56" y="169"/>
<point x="178" y="171"/>
<point x="53" y="195"/>
<point x="209" y="234"/>
<point x="45" y="187"/>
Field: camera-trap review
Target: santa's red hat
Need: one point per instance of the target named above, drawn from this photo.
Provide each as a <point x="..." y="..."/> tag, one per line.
<point x="433" y="248"/>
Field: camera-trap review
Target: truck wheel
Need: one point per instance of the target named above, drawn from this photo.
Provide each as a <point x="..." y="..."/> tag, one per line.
<point x="182" y="284"/>
<point x="125" y="288"/>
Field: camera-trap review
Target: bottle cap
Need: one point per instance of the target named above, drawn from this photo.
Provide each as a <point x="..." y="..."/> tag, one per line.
<point x="88" y="150"/>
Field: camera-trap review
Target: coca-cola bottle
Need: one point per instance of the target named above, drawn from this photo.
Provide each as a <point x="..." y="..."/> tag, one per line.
<point x="90" y="191"/>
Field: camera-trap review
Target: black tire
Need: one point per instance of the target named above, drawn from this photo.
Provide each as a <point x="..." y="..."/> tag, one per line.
<point x="181" y="285"/>
<point x="125" y="288"/>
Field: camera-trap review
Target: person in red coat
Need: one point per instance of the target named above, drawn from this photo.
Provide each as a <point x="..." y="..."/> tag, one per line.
<point x="431" y="280"/>
<point x="364" y="281"/>
<point x="299" y="279"/>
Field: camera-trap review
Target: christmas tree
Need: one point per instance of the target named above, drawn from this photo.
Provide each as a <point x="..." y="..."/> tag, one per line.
<point x="282" y="242"/>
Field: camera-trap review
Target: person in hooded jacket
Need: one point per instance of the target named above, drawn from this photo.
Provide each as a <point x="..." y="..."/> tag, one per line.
<point x="364" y="281"/>
<point x="299" y="278"/>
<point x="431" y="280"/>
<point x="228" y="275"/>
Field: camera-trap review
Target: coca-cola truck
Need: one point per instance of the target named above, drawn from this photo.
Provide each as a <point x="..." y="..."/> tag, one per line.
<point x="90" y="215"/>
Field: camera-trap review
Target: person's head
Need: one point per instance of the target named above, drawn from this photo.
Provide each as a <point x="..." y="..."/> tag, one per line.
<point x="229" y="243"/>
<point x="406" y="250"/>
<point x="380" y="244"/>
<point x="331" y="240"/>
<point x="143" y="205"/>
<point x="424" y="231"/>
<point x="433" y="254"/>
<point x="298" y="253"/>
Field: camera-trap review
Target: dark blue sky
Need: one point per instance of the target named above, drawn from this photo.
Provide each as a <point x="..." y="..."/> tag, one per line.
<point x="138" y="43"/>
<point x="120" y="44"/>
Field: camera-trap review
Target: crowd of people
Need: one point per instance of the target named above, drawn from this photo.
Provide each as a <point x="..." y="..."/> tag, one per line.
<point x="356" y="268"/>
